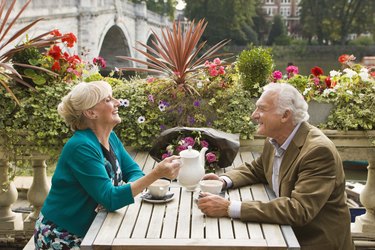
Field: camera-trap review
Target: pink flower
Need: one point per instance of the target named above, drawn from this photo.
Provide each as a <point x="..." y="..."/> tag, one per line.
<point x="292" y="69"/>
<point x="165" y="156"/>
<point x="204" y="144"/>
<point x="217" y="61"/>
<point x="181" y="148"/>
<point x="189" y="141"/>
<point x="100" y="62"/>
<point x="277" y="75"/>
<point x="221" y="70"/>
<point x="213" y="72"/>
<point x="210" y="157"/>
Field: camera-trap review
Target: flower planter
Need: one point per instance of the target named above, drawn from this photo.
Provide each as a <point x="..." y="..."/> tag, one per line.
<point x="352" y="145"/>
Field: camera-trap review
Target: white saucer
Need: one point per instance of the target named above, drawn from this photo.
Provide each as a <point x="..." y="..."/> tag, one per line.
<point x="148" y="198"/>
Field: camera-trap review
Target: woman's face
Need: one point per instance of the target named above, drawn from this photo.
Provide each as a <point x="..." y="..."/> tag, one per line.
<point x="107" y="111"/>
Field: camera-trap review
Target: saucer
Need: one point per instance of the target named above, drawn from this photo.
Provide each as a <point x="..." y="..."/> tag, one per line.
<point x="148" y="197"/>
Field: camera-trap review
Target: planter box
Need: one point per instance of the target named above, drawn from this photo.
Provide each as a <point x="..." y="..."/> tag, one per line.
<point x="352" y="145"/>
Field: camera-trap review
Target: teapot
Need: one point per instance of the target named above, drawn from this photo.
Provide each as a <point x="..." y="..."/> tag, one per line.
<point x="192" y="167"/>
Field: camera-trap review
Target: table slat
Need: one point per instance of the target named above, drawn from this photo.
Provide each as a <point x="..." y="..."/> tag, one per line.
<point x="110" y="226"/>
<point x="131" y="216"/>
<point x="183" y="222"/>
<point x="171" y="213"/>
<point x="197" y="221"/>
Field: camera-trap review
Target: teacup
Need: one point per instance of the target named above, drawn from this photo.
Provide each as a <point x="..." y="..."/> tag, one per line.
<point x="159" y="188"/>
<point x="211" y="186"/>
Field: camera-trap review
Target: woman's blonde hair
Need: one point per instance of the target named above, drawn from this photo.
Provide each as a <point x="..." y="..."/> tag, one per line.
<point x="83" y="96"/>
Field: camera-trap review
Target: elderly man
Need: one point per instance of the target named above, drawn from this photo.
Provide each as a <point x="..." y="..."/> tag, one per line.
<point x="303" y="168"/>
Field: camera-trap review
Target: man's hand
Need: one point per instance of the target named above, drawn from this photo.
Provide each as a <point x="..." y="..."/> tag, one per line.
<point x="213" y="205"/>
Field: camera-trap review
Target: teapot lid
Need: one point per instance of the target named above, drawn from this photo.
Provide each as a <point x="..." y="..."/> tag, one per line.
<point x="189" y="153"/>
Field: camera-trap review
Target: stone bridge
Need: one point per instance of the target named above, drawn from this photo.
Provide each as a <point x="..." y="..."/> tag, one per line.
<point x="106" y="28"/>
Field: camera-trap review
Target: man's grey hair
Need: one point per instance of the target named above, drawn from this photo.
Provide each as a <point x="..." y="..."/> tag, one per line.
<point x="289" y="98"/>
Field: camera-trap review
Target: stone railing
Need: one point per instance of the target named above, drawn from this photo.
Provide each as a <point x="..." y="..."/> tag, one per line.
<point x="13" y="225"/>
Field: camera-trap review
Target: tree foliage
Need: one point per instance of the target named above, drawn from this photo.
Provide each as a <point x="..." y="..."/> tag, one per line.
<point x="278" y="33"/>
<point x="228" y="19"/>
<point x="331" y="21"/>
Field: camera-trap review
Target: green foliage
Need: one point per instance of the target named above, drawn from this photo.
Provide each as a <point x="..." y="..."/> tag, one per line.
<point x="363" y="40"/>
<point x="34" y="126"/>
<point x="255" y="66"/>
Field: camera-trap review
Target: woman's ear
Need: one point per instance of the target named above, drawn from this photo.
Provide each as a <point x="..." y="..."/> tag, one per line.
<point x="90" y="114"/>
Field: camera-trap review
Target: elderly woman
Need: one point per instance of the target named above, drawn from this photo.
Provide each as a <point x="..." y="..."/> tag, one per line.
<point x="94" y="170"/>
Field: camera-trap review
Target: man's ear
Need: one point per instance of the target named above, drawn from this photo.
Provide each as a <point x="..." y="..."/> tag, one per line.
<point x="287" y="115"/>
<point x="90" y="114"/>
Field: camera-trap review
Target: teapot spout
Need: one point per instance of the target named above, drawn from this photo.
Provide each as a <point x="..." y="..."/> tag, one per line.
<point x="202" y="156"/>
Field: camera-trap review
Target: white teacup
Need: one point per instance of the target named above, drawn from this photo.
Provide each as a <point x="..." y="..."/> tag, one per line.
<point x="211" y="186"/>
<point x="159" y="188"/>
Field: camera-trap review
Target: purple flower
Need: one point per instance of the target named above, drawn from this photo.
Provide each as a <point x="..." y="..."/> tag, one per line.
<point x="197" y="103"/>
<point x="189" y="141"/>
<point x="151" y="98"/>
<point x="162" y="127"/>
<point x="210" y="157"/>
<point x="191" y="120"/>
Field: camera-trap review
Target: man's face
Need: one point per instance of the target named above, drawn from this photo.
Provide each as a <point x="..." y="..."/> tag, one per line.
<point x="269" y="121"/>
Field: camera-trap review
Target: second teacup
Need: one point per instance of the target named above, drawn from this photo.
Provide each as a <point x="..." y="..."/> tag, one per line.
<point x="159" y="188"/>
<point x="211" y="186"/>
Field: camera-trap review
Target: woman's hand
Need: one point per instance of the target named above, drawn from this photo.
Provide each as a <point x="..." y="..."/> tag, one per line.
<point x="168" y="168"/>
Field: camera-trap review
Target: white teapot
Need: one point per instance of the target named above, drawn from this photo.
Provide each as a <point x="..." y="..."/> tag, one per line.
<point x="192" y="167"/>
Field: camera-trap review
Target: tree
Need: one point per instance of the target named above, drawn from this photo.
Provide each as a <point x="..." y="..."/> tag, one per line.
<point x="227" y="19"/>
<point x="261" y="24"/>
<point x="277" y="34"/>
<point x="333" y="20"/>
<point x="162" y="7"/>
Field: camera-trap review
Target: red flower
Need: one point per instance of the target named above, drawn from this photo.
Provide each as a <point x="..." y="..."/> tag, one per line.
<point x="317" y="71"/>
<point x="56" y="33"/>
<point x="55" y="52"/>
<point x="328" y="82"/>
<point x="70" y="39"/>
<point x="56" y="66"/>
<point x="345" y="58"/>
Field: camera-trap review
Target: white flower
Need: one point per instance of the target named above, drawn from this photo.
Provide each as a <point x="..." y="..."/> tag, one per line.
<point x="141" y="119"/>
<point x="124" y="102"/>
<point x="334" y="73"/>
<point x="199" y="85"/>
<point x="326" y="92"/>
<point x="307" y="90"/>
<point x="364" y="76"/>
<point x="349" y="92"/>
<point x="161" y="107"/>
<point x="361" y="95"/>
<point x="350" y="73"/>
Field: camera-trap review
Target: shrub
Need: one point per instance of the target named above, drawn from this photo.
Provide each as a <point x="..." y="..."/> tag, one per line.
<point x="255" y="66"/>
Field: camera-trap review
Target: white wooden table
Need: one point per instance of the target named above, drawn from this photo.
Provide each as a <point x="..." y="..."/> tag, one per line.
<point x="179" y="224"/>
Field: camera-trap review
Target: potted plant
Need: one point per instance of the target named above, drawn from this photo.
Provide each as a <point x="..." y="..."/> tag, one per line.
<point x="189" y="90"/>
